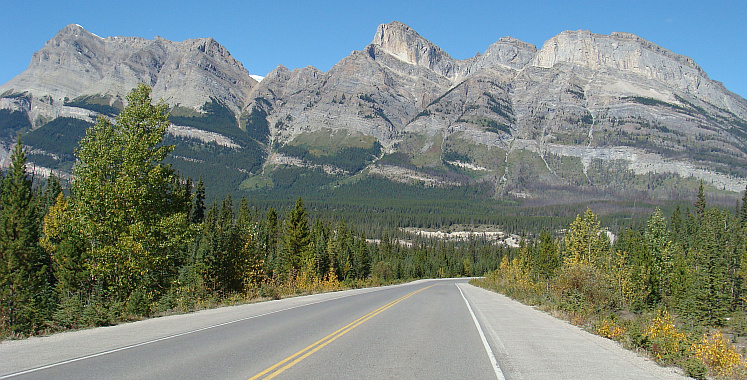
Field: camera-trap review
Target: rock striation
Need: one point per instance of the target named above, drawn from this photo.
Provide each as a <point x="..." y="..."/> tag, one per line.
<point x="585" y="113"/>
<point x="76" y="63"/>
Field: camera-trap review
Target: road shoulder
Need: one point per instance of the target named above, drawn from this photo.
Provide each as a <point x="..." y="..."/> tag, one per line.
<point x="531" y="344"/>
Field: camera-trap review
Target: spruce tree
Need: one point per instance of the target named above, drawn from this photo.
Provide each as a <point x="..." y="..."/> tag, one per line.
<point x="743" y="210"/>
<point x="700" y="203"/>
<point x="25" y="299"/>
<point x="547" y="259"/>
<point x="297" y="239"/>
<point x="198" y="209"/>
<point x="269" y="241"/>
<point x="712" y="286"/>
<point x="655" y="259"/>
<point x="676" y="222"/>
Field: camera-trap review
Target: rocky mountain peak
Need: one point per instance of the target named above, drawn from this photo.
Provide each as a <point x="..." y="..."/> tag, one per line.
<point x="77" y="63"/>
<point x="406" y="44"/>
<point x="510" y="52"/>
<point x="620" y="51"/>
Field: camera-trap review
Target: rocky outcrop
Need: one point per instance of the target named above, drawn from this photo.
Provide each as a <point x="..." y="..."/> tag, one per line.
<point x="78" y="63"/>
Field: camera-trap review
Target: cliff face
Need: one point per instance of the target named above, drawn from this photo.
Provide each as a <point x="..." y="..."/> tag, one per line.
<point x="586" y="113"/>
<point x="76" y="63"/>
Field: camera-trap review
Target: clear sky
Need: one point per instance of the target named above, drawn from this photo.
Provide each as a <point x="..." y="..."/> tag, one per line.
<point x="263" y="34"/>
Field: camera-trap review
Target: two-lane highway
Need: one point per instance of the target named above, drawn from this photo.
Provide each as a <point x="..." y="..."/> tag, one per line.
<point x="432" y="329"/>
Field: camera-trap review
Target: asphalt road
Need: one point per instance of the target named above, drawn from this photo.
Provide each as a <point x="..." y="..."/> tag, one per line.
<point x="431" y="329"/>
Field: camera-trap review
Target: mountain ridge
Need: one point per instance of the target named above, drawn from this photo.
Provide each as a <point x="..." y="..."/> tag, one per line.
<point x="585" y="111"/>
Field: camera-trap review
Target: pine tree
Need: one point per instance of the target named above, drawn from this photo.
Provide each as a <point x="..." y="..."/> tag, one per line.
<point x="297" y="239"/>
<point x="25" y="297"/>
<point x="743" y="210"/>
<point x="198" y="209"/>
<point x="700" y="203"/>
<point x="546" y="259"/>
<point x="711" y="287"/>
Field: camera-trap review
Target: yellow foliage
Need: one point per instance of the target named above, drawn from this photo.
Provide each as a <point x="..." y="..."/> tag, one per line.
<point x="610" y="330"/>
<point x="718" y="355"/>
<point x="667" y="340"/>
<point x="53" y="222"/>
<point x="584" y="243"/>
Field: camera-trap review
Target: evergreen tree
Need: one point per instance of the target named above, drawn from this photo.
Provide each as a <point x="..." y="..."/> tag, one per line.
<point x="711" y="290"/>
<point x="655" y="260"/>
<point x="743" y="209"/>
<point x="676" y="222"/>
<point x="25" y="298"/>
<point x="296" y="240"/>
<point x="321" y="257"/>
<point x="362" y="259"/>
<point x="700" y="203"/>
<point x="546" y="259"/>
<point x="51" y="190"/>
<point x="269" y="241"/>
<point x="198" y="209"/>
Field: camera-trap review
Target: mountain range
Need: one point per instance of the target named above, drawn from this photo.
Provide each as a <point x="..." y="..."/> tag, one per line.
<point x="586" y="116"/>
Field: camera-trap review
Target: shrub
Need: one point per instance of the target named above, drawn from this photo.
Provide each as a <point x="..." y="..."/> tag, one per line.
<point x="663" y="339"/>
<point x="718" y="355"/>
<point x="584" y="287"/>
<point x="610" y="329"/>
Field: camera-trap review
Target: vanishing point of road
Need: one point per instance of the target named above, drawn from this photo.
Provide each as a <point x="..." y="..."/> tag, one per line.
<point x="427" y="329"/>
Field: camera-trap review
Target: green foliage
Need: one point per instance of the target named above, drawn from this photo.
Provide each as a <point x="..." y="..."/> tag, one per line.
<point x="127" y="211"/>
<point x="12" y="122"/>
<point x="696" y="268"/>
<point x="585" y="242"/>
<point x="350" y="159"/>
<point x="655" y="102"/>
<point x="297" y="243"/>
<point x="60" y="136"/>
<point x="218" y="118"/>
<point x="25" y="294"/>
<point x="257" y="127"/>
<point x="95" y="103"/>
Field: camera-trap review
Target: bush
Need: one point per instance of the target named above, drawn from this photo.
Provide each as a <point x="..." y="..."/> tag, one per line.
<point x="610" y="329"/>
<point x="719" y="356"/>
<point x="664" y="341"/>
<point x="583" y="287"/>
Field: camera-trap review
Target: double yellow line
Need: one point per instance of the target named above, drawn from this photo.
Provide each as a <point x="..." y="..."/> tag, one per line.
<point x="292" y="360"/>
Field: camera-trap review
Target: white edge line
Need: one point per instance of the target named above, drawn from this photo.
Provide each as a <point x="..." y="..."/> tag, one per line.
<point x="91" y="356"/>
<point x="493" y="361"/>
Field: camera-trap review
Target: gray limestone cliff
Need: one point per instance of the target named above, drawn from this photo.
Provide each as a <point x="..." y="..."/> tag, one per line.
<point x="586" y="113"/>
<point x="78" y="63"/>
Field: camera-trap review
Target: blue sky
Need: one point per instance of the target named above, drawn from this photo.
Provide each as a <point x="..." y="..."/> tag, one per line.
<point x="263" y="34"/>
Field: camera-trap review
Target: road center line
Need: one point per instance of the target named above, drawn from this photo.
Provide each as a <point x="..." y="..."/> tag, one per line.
<point x="91" y="356"/>
<point x="316" y="346"/>
<point x="493" y="361"/>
